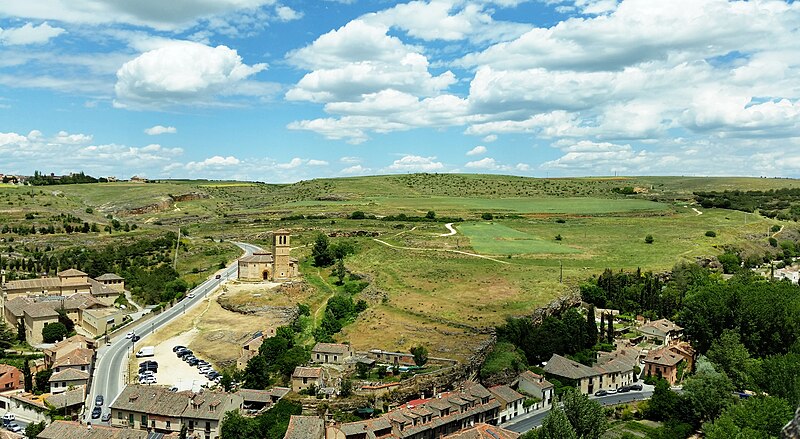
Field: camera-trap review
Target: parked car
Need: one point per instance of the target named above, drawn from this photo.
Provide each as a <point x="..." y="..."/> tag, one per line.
<point x="185" y="353"/>
<point x="173" y="389"/>
<point x="177" y="348"/>
<point x="148" y="380"/>
<point x="193" y="361"/>
<point x="96" y="412"/>
<point x="601" y="393"/>
<point x="624" y="389"/>
<point x="129" y="335"/>
<point x="106" y="417"/>
<point x="612" y="391"/>
<point x="219" y="276"/>
<point x="636" y="387"/>
<point x="8" y="417"/>
<point x="148" y="363"/>
<point x="98" y="400"/>
<point x="14" y="427"/>
<point x="190" y="295"/>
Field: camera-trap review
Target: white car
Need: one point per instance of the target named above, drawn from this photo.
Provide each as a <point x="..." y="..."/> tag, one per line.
<point x="14" y="427"/>
<point x="190" y="295"/>
<point x="129" y="335"/>
<point x="8" y="417"/>
<point x="148" y="380"/>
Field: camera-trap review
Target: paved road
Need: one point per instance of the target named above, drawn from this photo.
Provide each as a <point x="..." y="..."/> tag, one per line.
<point x="536" y="419"/>
<point x="111" y="365"/>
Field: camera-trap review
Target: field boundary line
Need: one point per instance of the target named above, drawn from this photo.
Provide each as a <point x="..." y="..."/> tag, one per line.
<point x="440" y="250"/>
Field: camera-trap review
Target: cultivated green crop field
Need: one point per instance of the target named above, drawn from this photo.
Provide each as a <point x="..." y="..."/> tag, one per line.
<point x="491" y="238"/>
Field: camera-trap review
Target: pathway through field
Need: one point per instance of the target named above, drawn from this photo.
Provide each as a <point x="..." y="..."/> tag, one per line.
<point x="439" y="250"/>
<point x="697" y="211"/>
<point x="451" y="229"/>
<point x="779" y="231"/>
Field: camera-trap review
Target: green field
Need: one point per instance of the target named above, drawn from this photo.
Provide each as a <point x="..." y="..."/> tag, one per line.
<point x="491" y="238"/>
<point x="567" y="206"/>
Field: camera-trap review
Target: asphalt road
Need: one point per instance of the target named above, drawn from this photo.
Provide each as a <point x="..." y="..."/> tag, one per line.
<point x="535" y="420"/>
<point x="111" y="365"/>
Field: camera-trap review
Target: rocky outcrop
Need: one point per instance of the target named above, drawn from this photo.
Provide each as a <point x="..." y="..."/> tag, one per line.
<point x="352" y="233"/>
<point x="164" y="203"/>
<point x="191" y="196"/>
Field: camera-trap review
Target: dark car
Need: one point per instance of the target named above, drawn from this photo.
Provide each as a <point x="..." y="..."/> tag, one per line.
<point x="185" y="353"/>
<point x="96" y="412"/>
<point x="98" y="400"/>
<point x="148" y="363"/>
<point x="624" y="389"/>
<point x="178" y="348"/>
<point x="135" y="338"/>
<point x="600" y="393"/>
<point x="193" y="361"/>
<point x="636" y="387"/>
<point x="218" y="276"/>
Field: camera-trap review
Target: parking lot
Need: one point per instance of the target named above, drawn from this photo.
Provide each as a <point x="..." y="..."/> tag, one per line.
<point x="172" y="371"/>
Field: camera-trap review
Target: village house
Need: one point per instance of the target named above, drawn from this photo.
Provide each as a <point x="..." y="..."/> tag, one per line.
<point x="74" y="430"/>
<point x="436" y="417"/>
<point x="10" y="378"/>
<point x="484" y="431"/>
<point x="331" y="353"/>
<point x="68" y="403"/>
<point x="250" y="348"/>
<point x="537" y="386"/>
<point x="65" y="347"/>
<point x="68" y="379"/>
<point x="66" y="283"/>
<point x="613" y="374"/>
<point x="661" y="331"/>
<point x="257" y="400"/>
<point x="393" y="358"/>
<point x="305" y="377"/>
<point x="510" y="402"/>
<point x="36" y="316"/>
<point x="156" y="409"/>
<point x="305" y="427"/>
<point x="275" y="266"/>
<point x="663" y="363"/>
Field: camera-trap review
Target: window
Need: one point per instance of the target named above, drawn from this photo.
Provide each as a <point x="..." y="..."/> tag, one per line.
<point x="153" y="423"/>
<point x="130" y="419"/>
<point x="208" y="426"/>
<point x="144" y="420"/>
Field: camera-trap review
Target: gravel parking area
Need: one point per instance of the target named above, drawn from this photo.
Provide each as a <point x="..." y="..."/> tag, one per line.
<point x="172" y="371"/>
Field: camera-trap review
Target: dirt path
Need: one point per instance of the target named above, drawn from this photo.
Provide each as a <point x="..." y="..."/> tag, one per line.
<point x="406" y="231"/>
<point x="440" y="250"/>
<point x="697" y="211"/>
<point x="779" y="231"/>
<point x="324" y="302"/>
<point x="451" y="229"/>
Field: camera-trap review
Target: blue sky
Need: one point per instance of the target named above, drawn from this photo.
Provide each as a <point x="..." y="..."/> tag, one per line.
<point x="281" y="91"/>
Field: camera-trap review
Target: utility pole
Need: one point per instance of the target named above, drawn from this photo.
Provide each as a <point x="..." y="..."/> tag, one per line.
<point x="561" y="272"/>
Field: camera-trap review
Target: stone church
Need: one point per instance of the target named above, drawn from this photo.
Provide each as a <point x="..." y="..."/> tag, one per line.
<point x="273" y="266"/>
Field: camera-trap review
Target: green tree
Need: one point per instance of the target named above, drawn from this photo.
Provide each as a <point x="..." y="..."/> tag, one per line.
<point x="21" y="330"/>
<point x="53" y="332"/>
<point x="184" y="431"/>
<point x="7" y="336"/>
<point x="42" y="381"/>
<point x="420" y="354"/>
<point x="610" y="321"/>
<point x="234" y="425"/>
<point x="709" y="394"/>
<point x="556" y="426"/>
<point x="487" y="216"/>
<point x="28" y="376"/>
<point x="319" y="251"/>
<point x="64" y="319"/>
<point x="731" y="356"/>
<point x="226" y="381"/>
<point x="33" y="429"/>
<point x="731" y="262"/>
<point x="591" y="328"/>
<point x="358" y="215"/>
<point x="362" y="369"/>
<point x="256" y="375"/>
<point x="347" y="388"/>
<point x="431" y="215"/>
<point x="585" y="415"/>
<point x="339" y="271"/>
<point x="757" y="417"/>
<point x="663" y="404"/>
<point x="649" y="239"/>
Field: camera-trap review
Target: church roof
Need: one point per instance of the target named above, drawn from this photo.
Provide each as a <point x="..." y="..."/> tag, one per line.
<point x="255" y="258"/>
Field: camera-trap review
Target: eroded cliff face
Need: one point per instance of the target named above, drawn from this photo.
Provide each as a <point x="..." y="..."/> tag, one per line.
<point x="792" y="429"/>
<point x="164" y="203"/>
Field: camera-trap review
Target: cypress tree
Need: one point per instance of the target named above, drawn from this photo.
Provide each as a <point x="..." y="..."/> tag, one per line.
<point x="591" y="328"/>
<point x="611" y="329"/>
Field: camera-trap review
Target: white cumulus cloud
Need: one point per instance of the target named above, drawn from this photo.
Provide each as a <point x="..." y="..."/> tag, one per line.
<point x="478" y="150"/>
<point x="29" y="34"/>
<point x="160" y="129"/>
<point x="415" y="163"/>
<point x="180" y="73"/>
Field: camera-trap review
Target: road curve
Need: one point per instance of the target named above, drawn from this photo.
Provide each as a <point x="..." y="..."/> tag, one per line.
<point x="111" y="364"/>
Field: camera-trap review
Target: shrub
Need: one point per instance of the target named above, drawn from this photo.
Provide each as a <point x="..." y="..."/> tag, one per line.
<point x="487" y="216"/>
<point x="711" y="234"/>
<point x="649" y="239"/>
<point x="559" y="237"/>
<point x="358" y="215"/>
